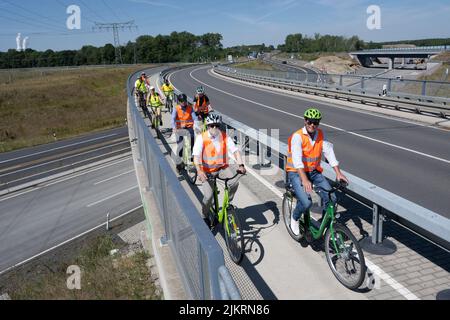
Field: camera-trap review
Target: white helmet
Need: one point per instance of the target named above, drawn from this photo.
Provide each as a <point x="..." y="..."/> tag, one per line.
<point x="152" y="88"/>
<point x="213" y="118"/>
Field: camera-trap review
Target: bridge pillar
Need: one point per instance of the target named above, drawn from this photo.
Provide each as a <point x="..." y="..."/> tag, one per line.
<point x="391" y="63"/>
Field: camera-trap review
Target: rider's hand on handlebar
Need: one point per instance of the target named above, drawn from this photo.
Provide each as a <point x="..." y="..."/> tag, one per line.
<point x="242" y="169"/>
<point x="341" y="177"/>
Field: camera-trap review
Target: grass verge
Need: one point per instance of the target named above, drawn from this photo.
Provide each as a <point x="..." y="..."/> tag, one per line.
<point x="122" y="276"/>
<point x="67" y="103"/>
<point x="257" y="65"/>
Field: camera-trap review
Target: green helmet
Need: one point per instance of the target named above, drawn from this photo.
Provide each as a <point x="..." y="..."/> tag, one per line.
<point x="313" y="114"/>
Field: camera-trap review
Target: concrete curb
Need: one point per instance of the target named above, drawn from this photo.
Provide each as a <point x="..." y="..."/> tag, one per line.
<point x="62" y="174"/>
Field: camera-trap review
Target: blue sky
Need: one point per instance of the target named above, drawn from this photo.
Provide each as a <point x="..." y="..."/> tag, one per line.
<point x="239" y="21"/>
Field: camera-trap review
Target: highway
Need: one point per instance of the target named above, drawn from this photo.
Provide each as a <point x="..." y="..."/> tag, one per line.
<point x="36" y="219"/>
<point x="405" y="158"/>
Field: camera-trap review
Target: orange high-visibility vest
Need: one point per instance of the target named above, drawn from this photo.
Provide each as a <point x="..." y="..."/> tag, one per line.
<point x="203" y="108"/>
<point x="184" y="118"/>
<point x="312" y="155"/>
<point x="213" y="160"/>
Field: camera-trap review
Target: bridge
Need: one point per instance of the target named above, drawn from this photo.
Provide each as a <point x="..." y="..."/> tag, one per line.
<point x="383" y="151"/>
<point x="366" y="57"/>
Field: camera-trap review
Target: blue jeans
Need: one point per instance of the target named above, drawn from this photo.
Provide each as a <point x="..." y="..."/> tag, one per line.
<point x="304" y="201"/>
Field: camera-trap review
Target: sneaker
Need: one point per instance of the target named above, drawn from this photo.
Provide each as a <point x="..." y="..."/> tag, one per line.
<point x="295" y="227"/>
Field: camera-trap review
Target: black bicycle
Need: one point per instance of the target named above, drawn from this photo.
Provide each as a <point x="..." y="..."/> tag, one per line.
<point x="143" y="105"/>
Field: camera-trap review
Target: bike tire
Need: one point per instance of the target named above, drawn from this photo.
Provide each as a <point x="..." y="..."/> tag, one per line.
<point x="347" y="235"/>
<point x="191" y="173"/>
<point x="287" y="209"/>
<point x="235" y="239"/>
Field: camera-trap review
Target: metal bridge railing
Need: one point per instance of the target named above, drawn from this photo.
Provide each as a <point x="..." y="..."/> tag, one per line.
<point x="199" y="258"/>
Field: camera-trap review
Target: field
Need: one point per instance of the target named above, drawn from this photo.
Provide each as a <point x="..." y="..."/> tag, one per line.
<point x="40" y="106"/>
<point x="256" y="64"/>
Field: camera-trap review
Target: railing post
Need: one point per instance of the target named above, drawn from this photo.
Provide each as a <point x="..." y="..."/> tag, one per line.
<point x="376" y="244"/>
<point x="424" y="88"/>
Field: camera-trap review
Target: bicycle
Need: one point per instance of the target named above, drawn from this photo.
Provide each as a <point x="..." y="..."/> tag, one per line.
<point x="234" y="237"/>
<point x="143" y="105"/>
<point x="169" y="102"/>
<point x="342" y="250"/>
<point x="187" y="160"/>
<point x="155" y="123"/>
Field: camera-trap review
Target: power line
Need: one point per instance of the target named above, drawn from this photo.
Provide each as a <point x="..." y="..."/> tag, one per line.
<point x="65" y="6"/>
<point x="110" y="9"/>
<point x="58" y="23"/>
<point x="115" y="27"/>
<point x="95" y="13"/>
<point x="29" y="23"/>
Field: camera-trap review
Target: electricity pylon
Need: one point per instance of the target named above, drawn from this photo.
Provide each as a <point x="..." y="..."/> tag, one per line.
<point x="116" y="26"/>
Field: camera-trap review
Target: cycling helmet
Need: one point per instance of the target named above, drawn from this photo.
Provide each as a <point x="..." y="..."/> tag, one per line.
<point x="182" y="98"/>
<point x="166" y="81"/>
<point x="152" y="88"/>
<point x="213" y="118"/>
<point x="313" y="114"/>
<point x="143" y="74"/>
<point x="200" y="90"/>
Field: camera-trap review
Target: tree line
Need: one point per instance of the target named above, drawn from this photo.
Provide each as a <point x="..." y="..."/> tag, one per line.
<point x="176" y="47"/>
<point x="329" y="43"/>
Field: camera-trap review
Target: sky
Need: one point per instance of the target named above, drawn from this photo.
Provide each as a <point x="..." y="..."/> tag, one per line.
<point x="239" y="21"/>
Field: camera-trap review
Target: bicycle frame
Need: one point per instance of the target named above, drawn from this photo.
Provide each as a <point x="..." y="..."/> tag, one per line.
<point x="221" y="214"/>
<point x="328" y="221"/>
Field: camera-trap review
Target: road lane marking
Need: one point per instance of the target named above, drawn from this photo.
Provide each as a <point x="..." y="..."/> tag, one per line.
<point x="112" y="178"/>
<point x="308" y="100"/>
<point x="110" y="197"/>
<point x="62" y="147"/>
<point x="65" y="179"/>
<point x="65" y="158"/>
<point x="324" y="124"/>
<point x="67" y="241"/>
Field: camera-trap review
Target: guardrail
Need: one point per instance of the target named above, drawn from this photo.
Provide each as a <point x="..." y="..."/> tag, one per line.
<point x="381" y="200"/>
<point x="434" y="48"/>
<point x="198" y="256"/>
<point x="421" y="106"/>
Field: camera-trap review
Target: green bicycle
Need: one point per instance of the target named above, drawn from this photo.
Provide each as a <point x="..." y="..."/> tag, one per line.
<point x="234" y="235"/>
<point x="155" y="120"/>
<point x="343" y="252"/>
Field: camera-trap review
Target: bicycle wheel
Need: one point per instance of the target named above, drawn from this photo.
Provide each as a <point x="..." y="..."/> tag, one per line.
<point x="287" y="210"/>
<point x="192" y="173"/>
<point x="345" y="257"/>
<point x="234" y="236"/>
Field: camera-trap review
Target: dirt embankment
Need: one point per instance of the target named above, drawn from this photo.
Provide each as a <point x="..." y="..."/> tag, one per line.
<point x="335" y="64"/>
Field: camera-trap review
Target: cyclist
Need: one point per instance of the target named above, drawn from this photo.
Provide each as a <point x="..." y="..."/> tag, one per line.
<point x="201" y="104"/>
<point x="305" y="148"/>
<point x="183" y="117"/>
<point x="168" y="89"/>
<point x="212" y="151"/>
<point x="154" y="100"/>
<point x="140" y="87"/>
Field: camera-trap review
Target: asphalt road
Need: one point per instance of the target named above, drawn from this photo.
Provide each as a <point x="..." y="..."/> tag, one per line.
<point x="31" y="164"/>
<point x="37" y="219"/>
<point x="408" y="159"/>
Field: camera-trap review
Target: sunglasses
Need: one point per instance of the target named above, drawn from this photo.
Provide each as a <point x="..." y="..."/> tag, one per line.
<point x="214" y="126"/>
<point x="313" y="122"/>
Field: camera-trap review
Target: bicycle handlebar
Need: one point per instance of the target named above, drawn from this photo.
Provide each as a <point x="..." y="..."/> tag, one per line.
<point x="212" y="178"/>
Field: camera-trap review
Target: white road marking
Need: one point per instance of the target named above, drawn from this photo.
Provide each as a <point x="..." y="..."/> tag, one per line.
<point x="60" y="159"/>
<point x="110" y="197"/>
<point x="349" y="108"/>
<point x="62" y="147"/>
<point x="324" y="124"/>
<point x="67" y="241"/>
<point x="65" y="179"/>
<point x="112" y="178"/>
